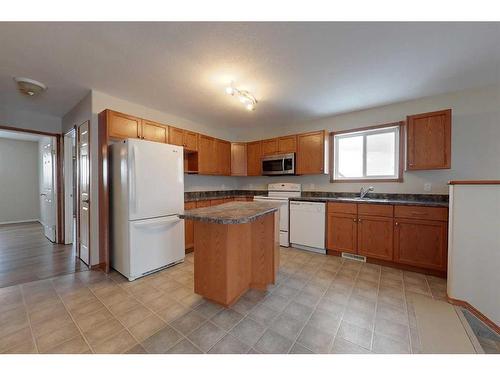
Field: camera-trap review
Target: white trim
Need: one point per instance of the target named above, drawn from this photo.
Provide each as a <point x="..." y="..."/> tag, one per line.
<point x="20" y="221"/>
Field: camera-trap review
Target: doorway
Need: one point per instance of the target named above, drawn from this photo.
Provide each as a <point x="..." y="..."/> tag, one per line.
<point x="31" y="208"/>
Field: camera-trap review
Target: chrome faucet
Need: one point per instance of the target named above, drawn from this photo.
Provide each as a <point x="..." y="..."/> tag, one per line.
<point x="363" y="192"/>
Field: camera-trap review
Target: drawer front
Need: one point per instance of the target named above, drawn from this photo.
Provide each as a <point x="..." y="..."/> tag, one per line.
<point x="422" y="212"/>
<point x="385" y="210"/>
<point x="343" y="208"/>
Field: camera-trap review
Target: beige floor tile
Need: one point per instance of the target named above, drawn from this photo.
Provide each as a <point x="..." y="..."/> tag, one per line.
<point x="14" y="339"/>
<point x="386" y="345"/>
<point x="47" y="312"/>
<point x="249" y="331"/>
<point x="324" y="322"/>
<point x="103" y="331"/>
<point x="173" y="312"/>
<point x="359" y="317"/>
<point x="273" y="343"/>
<point x="184" y="347"/>
<point x="57" y="336"/>
<point x="13" y="324"/>
<point x="88" y="321"/>
<point x="26" y="347"/>
<point x="46" y="326"/>
<point x="227" y="318"/>
<point x="75" y="345"/>
<point x="162" y="340"/>
<point x="341" y="346"/>
<point x="123" y="306"/>
<point x="134" y="316"/>
<point x="394" y="330"/>
<point x="357" y="335"/>
<point x="146" y="327"/>
<point x="206" y="336"/>
<point x="119" y="343"/>
<point x="229" y="345"/>
<point x="315" y="339"/>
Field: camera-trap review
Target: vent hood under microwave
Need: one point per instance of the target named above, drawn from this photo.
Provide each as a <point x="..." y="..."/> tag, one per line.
<point x="278" y="165"/>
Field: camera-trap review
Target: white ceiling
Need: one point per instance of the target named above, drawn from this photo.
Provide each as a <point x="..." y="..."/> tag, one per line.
<point x="297" y="71"/>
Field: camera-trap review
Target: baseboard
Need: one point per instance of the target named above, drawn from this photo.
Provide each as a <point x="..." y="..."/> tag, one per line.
<point x="99" y="266"/>
<point x="475" y="312"/>
<point x="20" y="221"/>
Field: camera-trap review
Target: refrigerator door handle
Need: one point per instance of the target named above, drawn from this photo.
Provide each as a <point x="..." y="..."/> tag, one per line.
<point x="157" y="225"/>
<point x="133" y="182"/>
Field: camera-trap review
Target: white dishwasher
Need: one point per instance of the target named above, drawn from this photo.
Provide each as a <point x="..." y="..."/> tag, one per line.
<point x="307" y="225"/>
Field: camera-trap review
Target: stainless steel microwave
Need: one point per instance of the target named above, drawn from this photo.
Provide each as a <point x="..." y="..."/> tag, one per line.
<point x="275" y="165"/>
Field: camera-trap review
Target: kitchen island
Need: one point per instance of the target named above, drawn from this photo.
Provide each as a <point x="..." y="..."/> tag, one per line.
<point x="236" y="247"/>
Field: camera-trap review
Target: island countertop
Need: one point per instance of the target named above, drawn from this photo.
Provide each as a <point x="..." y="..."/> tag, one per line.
<point x="231" y="212"/>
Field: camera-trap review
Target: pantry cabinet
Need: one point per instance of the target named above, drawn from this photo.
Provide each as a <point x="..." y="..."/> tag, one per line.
<point x="408" y="235"/>
<point x="429" y="140"/>
<point x="311" y="153"/>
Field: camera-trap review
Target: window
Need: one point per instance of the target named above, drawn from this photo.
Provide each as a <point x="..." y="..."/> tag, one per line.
<point x="367" y="154"/>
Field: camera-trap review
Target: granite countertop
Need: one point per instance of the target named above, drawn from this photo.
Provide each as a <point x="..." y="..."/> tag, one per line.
<point x="231" y="212"/>
<point x="395" y="201"/>
<point x="220" y="194"/>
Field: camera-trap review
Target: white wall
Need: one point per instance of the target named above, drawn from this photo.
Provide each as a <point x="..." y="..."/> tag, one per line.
<point x="475" y="142"/>
<point x="29" y="120"/>
<point x="19" y="194"/>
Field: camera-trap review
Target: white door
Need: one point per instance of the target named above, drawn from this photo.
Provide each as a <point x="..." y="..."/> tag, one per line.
<point x="83" y="192"/>
<point x="155" y="243"/>
<point x="156" y="179"/>
<point x="47" y="194"/>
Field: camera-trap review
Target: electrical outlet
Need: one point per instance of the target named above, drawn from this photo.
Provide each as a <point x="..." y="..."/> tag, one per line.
<point x="427" y="186"/>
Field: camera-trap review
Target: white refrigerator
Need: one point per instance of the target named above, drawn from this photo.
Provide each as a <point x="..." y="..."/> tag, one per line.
<point x="147" y="193"/>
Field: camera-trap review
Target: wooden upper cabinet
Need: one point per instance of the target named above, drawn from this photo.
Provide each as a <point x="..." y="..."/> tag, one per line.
<point x="184" y="138"/>
<point x="122" y="126"/>
<point x="254" y="156"/>
<point x="207" y="157"/>
<point x="190" y="140"/>
<point x="269" y="146"/>
<point x="153" y="131"/>
<point x="223" y="157"/>
<point x="375" y="236"/>
<point x="176" y="136"/>
<point x="311" y="158"/>
<point x="421" y="243"/>
<point x="287" y="145"/>
<point x="429" y="140"/>
<point x="238" y="159"/>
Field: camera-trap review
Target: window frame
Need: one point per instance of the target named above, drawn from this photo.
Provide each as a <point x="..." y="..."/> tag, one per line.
<point x="400" y="158"/>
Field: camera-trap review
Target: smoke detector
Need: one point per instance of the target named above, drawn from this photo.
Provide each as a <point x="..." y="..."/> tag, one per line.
<point x="29" y="86"/>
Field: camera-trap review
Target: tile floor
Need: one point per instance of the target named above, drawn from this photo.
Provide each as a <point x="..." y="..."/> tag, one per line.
<point x="320" y="304"/>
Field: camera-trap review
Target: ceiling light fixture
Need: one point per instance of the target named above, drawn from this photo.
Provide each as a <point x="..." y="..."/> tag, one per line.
<point x="28" y="86"/>
<point x="247" y="99"/>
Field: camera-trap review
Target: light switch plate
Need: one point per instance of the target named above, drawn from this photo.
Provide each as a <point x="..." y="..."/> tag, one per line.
<point x="427" y="186"/>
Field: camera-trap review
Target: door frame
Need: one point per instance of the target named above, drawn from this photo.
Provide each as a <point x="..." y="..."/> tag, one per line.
<point x="74" y="130"/>
<point x="77" y="234"/>
<point x="59" y="177"/>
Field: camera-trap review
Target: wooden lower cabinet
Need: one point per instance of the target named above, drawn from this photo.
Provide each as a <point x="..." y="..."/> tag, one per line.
<point x="379" y="232"/>
<point x="421" y="243"/>
<point x="375" y="237"/>
<point x="189" y="228"/>
<point x="342" y="232"/>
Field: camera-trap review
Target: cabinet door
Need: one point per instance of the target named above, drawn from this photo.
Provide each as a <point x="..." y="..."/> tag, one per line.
<point x="189" y="227"/>
<point x="152" y="131"/>
<point x="287" y="144"/>
<point x="207" y="157"/>
<point x="254" y="155"/>
<point x="176" y="136"/>
<point x="421" y="243"/>
<point x="190" y="140"/>
<point x="342" y="232"/>
<point x="375" y="237"/>
<point x="238" y="159"/>
<point x="429" y="140"/>
<point x="311" y="153"/>
<point x="270" y="146"/>
<point x="121" y="126"/>
<point x="226" y="158"/>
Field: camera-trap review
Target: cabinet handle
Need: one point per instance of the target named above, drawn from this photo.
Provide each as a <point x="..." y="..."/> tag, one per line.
<point x="354" y="220"/>
<point x="359" y="220"/>
<point x="396" y="223"/>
